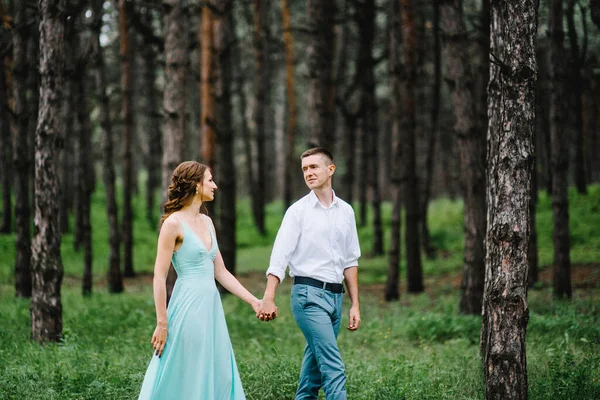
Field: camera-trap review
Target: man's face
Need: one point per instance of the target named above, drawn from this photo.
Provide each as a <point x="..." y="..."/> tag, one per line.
<point x="316" y="171"/>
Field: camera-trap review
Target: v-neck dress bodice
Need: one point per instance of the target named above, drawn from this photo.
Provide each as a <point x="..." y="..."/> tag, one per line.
<point x="198" y="360"/>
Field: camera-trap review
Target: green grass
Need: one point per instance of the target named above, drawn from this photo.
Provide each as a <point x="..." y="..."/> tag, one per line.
<point x="418" y="348"/>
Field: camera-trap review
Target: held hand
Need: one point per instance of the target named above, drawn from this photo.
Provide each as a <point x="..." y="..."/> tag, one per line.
<point x="354" y="315"/>
<point x="159" y="339"/>
<point x="267" y="310"/>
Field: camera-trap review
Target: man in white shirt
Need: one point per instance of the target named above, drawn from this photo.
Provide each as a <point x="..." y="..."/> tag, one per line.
<point x="319" y="242"/>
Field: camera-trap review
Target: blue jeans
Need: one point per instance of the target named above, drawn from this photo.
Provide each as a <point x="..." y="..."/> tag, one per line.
<point x="318" y="313"/>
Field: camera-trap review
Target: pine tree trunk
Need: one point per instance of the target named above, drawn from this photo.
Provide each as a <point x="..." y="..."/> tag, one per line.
<point x="85" y="172"/>
<point x="532" y="256"/>
<point x="370" y="114"/>
<point x="392" y="287"/>
<point x="321" y="87"/>
<point x="47" y="268"/>
<point x="115" y="278"/>
<point x="5" y="141"/>
<point x="291" y="164"/>
<point x="207" y="120"/>
<point x="560" y="154"/>
<point x="576" y="90"/>
<point x="511" y="104"/>
<point x="408" y="130"/>
<point x="223" y="42"/>
<point x="260" y="90"/>
<point x="155" y="152"/>
<point x="435" y="125"/>
<point x="125" y="54"/>
<point x="471" y="147"/>
<point x="21" y="155"/>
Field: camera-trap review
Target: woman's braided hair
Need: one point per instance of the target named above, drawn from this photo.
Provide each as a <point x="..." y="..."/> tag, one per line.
<point x="182" y="188"/>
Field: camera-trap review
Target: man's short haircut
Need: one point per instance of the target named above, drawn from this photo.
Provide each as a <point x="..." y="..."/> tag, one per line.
<point x="319" y="150"/>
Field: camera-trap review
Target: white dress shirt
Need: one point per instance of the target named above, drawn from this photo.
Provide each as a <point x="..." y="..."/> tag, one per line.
<point x="316" y="241"/>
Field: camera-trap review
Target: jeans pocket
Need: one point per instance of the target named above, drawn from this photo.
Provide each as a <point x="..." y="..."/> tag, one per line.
<point x="299" y="296"/>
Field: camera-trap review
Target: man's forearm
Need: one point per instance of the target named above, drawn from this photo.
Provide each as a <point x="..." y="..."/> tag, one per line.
<point x="351" y="278"/>
<point x="272" y="283"/>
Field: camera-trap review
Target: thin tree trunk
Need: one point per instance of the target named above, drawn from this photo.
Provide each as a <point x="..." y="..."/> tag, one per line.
<point x="5" y="140"/>
<point x="511" y="152"/>
<point x="207" y="121"/>
<point x="471" y="147"/>
<point x="174" y="102"/>
<point x="260" y="90"/>
<point x="125" y="54"/>
<point x="321" y="86"/>
<point x="576" y="89"/>
<point x="155" y="151"/>
<point x="47" y="268"/>
<point x="223" y="43"/>
<point x="21" y="156"/>
<point x="532" y="256"/>
<point x="435" y="122"/>
<point x="115" y="278"/>
<point x="408" y="129"/>
<point x="290" y="160"/>
<point x="392" y="287"/>
<point x="363" y="156"/>
<point x="86" y="187"/>
<point x="560" y="155"/>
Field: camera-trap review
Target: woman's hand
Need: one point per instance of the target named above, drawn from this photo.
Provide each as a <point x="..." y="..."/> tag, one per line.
<point x="159" y="339"/>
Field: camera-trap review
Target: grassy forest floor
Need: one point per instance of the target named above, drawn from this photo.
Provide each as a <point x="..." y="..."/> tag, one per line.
<point x="417" y="348"/>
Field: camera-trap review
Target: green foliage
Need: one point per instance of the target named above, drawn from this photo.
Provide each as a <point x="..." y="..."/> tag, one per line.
<point x="420" y="347"/>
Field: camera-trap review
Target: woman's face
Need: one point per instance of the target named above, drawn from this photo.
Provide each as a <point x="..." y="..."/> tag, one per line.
<point x="207" y="188"/>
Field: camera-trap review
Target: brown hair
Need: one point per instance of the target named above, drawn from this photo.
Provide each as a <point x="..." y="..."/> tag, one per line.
<point x="319" y="150"/>
<point x="182" y="188"/>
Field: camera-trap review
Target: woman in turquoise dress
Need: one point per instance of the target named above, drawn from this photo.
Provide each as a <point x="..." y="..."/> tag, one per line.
<point x="193" y="357"/>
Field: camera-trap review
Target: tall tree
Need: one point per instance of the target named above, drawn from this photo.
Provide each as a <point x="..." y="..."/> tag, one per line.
<point x="321" y="87"/>
<point x="207" y="121"/>
<point x="260" y="93"/>
<point x="470" y="138"/>
<point x="577" y="60"/>
<point x="511" y="105"/>
<point x="47" y="268"/>
<point x="559" y="154"/>
<point x="21" y="155"/>
<point x="223" y="44"/>
<point x="290" y="136"/>
<point x="408" y="131"/>
<point x="5" y="139"/>
<point x="115" y="278"/>
<point x="370" y="115"/>
<point x="392" y="290"/>
<point x="125" y="54"/>
<point x="434" y="131"/>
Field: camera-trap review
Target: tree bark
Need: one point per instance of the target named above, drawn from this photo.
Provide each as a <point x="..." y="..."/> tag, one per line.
<point x="433" y="135"/>
<point x="5" y="138"/>
<point x="223" y="43"/>
<point x="47" y="268"/>
<point x="532" y="256"/>
<point x="576" y="90"/>
<point x="125" y="54"/>
<point x="511" y="105"/>
<point x="370" y="114"/>
<point x="291" y="164"/>
<point x="471" y="148"/>
<point x="115" y="278"/>
<point x="321" y="86"/>
<point x="559" y="154"/>
<point x="392" y="287"/>
<point x="408" y="130"/>
<point x="21" y="154"/>
<point x="207" y="120"/>
<point x="260" y="90"/>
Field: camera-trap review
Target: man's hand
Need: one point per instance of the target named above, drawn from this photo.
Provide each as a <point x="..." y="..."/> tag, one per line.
<point x="354" y="315"/>
<point x="267" y="310"/>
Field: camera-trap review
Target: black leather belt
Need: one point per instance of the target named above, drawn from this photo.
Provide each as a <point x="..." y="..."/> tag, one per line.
<point x="332" y="287"/>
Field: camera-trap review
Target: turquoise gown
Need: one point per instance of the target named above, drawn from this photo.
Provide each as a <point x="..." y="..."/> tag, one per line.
<point x="197" y="361"/>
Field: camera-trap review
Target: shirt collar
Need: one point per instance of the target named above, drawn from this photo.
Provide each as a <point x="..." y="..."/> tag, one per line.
<point x="314" y="200"/>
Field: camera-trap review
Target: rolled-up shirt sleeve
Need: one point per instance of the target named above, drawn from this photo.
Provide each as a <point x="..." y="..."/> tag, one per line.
<point x="352" y="245"/>
<point x="285" y="244"/>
